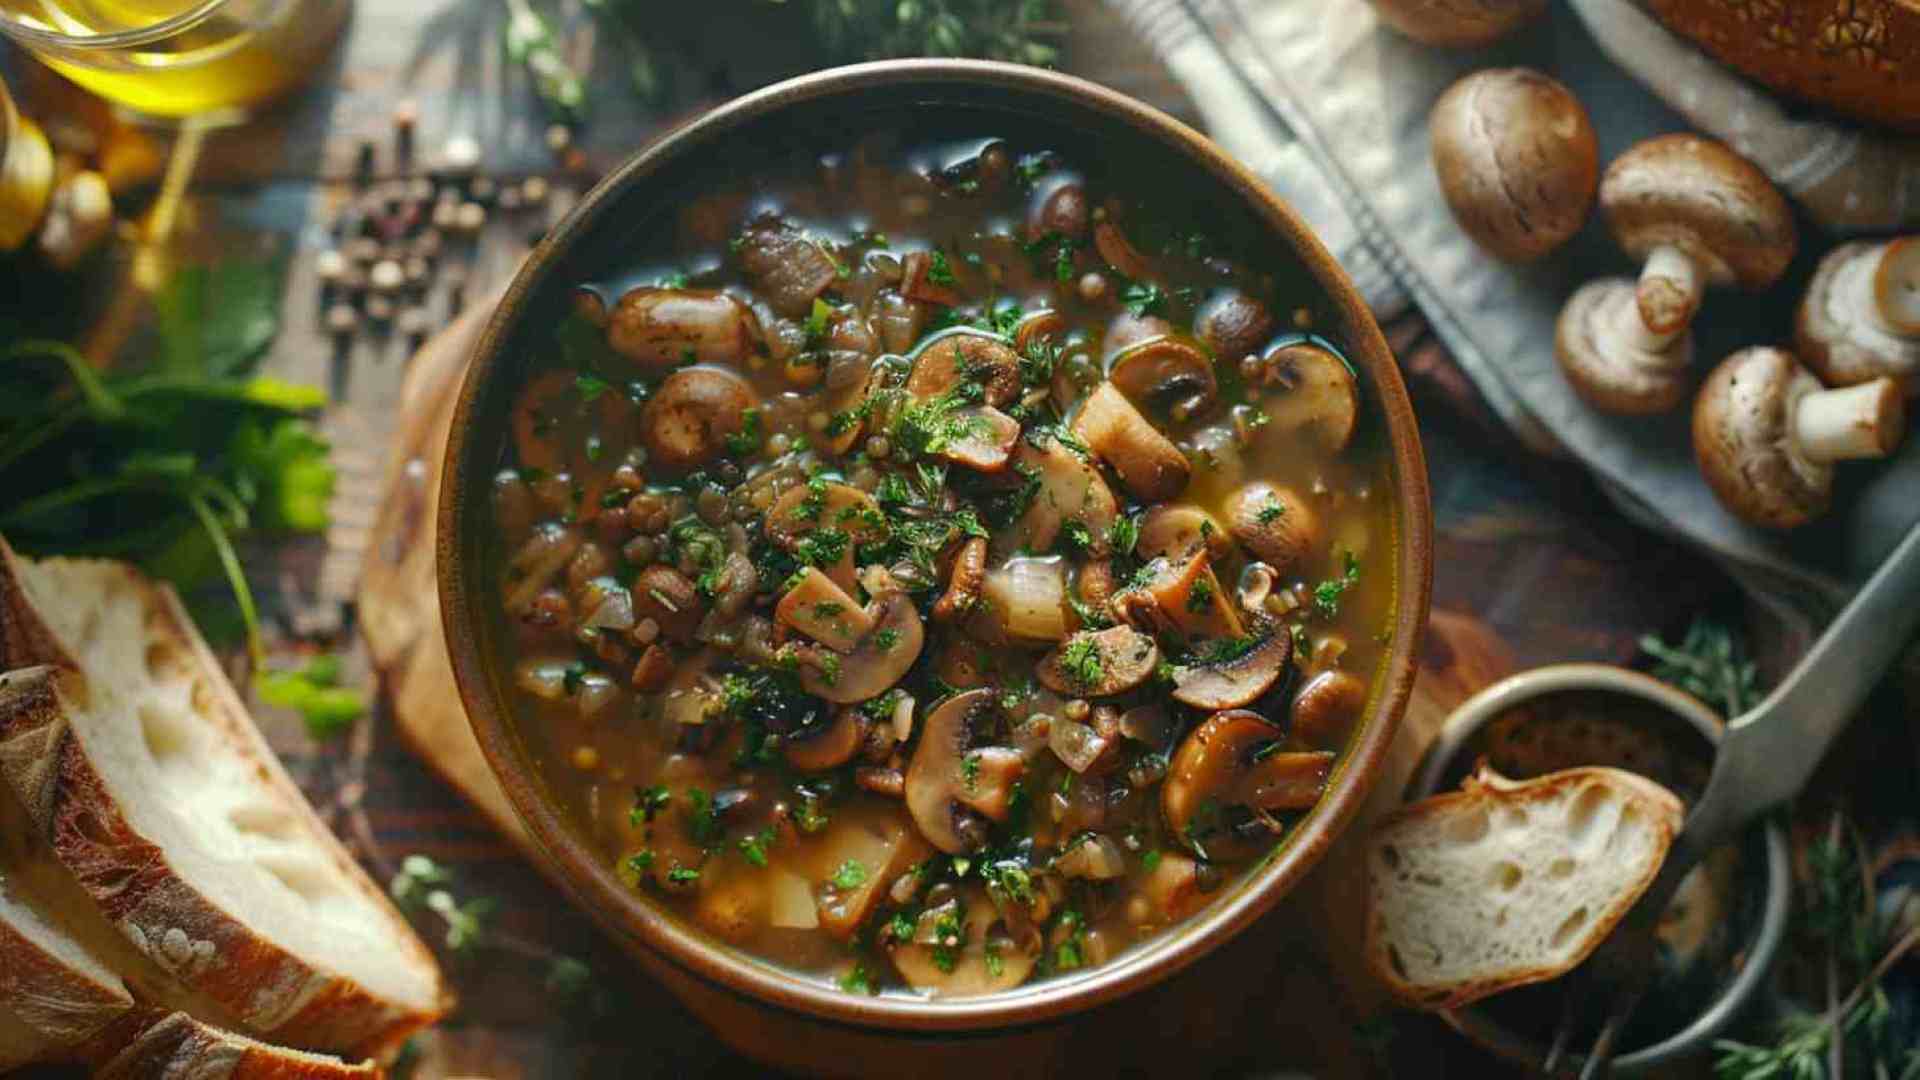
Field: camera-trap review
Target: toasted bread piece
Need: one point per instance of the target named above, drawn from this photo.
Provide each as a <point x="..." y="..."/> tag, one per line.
<point x="152" y="1044"/>
<point x="55" y="995"/>
<point x="148" y="782"/>
<point x="1502" y="884"/>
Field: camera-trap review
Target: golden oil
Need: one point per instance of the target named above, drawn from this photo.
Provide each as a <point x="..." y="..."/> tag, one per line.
<point x="176" y="58"/>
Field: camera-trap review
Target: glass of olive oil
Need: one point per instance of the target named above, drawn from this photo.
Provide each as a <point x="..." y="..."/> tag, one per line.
<point x="179" y="58"/>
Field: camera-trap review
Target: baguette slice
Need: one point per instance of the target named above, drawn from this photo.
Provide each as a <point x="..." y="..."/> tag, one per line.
<point x="175" y="1046"/>
<point x="55" y="995"/>
<point x="1501" y="883"/>
<point x="149" y="783"/>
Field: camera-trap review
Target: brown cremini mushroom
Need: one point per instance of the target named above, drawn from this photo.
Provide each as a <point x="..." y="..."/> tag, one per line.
<point x="1324" y="710"/>
<point x="1228" y="778"/>
<point x="952" y="782"/>
<point x="1766" y="434"/>
<point x="963" y="582"/>
<point x="984" y="960"/>
<point x="660" y="329"/>
<point x="1303" y="387"/>
<point x="1232" y="324"/>
<point x="1234" y="681"/>
<point x="664" y="595"/>
<point x="842" y="510"/>
<point x="1861" y="315"/>
<point x="693" y="416"/>
<point x="823" y="611"/>
<point x="1517" y="160"/>
<point x="875" y="663"/>
<point x="965" y="356"/>
<point x="1695" y="213"/>
<point x="1187" y="597"/>
<point x="1099" y="663"/>
<point x="1274" y="523"/>
<point x="1606" y="358"/>
<point x="1070" y="489"/>
<point x="1174" y="530"/>
<point x="1166" y="374"/>
<point x="1457" y="23"/>
<point x="1151" y="467"/>
<point x="830" y="745"/>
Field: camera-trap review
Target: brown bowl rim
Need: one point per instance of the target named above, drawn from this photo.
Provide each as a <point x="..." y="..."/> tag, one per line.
<point x="637" y="921"/>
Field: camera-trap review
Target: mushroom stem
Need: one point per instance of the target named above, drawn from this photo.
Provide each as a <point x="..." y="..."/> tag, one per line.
<point x="1863" y="421"/>
<point x="1896" y="288"/>
<point x="1666" y="298"/>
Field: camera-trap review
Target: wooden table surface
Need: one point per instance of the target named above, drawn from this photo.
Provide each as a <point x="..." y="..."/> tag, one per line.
<point x="1528" y="549"/>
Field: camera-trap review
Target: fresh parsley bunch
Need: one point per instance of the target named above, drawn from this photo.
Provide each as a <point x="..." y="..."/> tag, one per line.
<point x="165" y="463"/>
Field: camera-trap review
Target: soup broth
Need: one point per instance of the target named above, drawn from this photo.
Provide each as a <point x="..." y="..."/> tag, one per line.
<point x="942" y="563"/>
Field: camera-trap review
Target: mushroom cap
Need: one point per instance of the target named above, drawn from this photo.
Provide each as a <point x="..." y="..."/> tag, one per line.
<point x="1281" y="539"/>
<point x="1517" y="160"/>
<point x="1150" y="466"/>
<point x="1457" y="23"/>
<point x="1606" y="369"/>
<point x="965" y="355"/>
<point x="687" y="421"/>
<point x="1234" y="760"/>
<point x="938" y="794"/>
<point x="1173" y="530"/>
<point x="1232" y="324"/>
<point x="1743" y="440"/>
<point x="1306" y="388"/>
<point x="1123" y="659"/>
<point x="819" y="747"/>
<point x="1235" y="683"/>
<point x="1699" y="196"/>
<point x="966" y="971"/>
<point x="1165" y="373"/>
<point x="1835" y="332"/>
<point x="878" y="661"/>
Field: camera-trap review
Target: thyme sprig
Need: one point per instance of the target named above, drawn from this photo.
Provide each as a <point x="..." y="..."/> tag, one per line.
<point x="1709" y="662"/>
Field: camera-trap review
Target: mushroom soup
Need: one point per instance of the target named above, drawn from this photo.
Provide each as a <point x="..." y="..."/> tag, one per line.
<point x="939" y="568"/>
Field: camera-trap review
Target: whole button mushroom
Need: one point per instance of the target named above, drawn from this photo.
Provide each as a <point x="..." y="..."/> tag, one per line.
<point x="1766" y="434"/>
<point x="1457" y="23"/>
<point x="1517" y="160"/>
<point x="1695" y="213"/>
<point x="1861" y="316"/>
<point x="691" y="417"/>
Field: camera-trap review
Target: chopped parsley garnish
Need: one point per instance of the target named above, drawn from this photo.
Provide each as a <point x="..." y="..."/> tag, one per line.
<point x="1071" y="953"/>
<point x="818" y="320"/>
<point x="1144" y="298"/>
<point x="939" y="270"/>
<point x="1258" y="418"/>
<point x="858" y="980"/>
<point x="754" y="848"/>
<point x="995" y="966"/>
<point x="885" y="640"/>
<point x="1272" y="512"/>
<point x="640" y="861"/>
<point x="647" y="802"/>
<point x="1038" y="360"/>
<point x="1200" y="597"/>
<point x="1267" y="750"/>
<point x="970" y="770"/>
<point x="823" y="547"/>
<point x="703" y="818"/>
<point x="1077" y="536"/>
<point x="1081" y="661"/>
<point x="590" y="387"/>
<point x="1328" y="594"/>
<point x="681" y="875"/>
<point x="827" y="609"/>
<point x="1123" y="535"/>
<point x="1150" y="860"/>
<point x="750" y="437"/>
<point x="851" y="875"/>
<point x="945" y="958"/>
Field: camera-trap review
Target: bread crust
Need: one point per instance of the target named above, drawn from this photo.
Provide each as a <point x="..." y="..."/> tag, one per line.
<point x="1665" y="813"/>
<point x="153" y="1043"/>
<point x="1858" y="57"/>
<point x="60" y="1004"/>
<point x="276" y="994"/>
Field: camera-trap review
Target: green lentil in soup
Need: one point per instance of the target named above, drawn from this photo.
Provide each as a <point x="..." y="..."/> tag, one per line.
<point x="937" y="571"/>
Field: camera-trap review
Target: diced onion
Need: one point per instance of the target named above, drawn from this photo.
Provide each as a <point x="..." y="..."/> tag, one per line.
<point x="1077" y="745"/>
<point x="790" y="902"/>
<point x="614" y="611"/>
<point x="544" y="679"/>
<point x="1029" y="596"/>
<point x="596" y="692"/>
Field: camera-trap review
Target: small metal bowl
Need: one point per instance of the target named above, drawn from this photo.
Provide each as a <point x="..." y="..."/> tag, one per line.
<point x="1460" y="742"/>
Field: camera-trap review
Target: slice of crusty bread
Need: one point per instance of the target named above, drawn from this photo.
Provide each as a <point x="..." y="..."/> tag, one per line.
<point x="1502" y="883"/>
<point x="61" y="1003"/>
<point x="153" y="789"/>
<point x="54" y="993"/>
<point x="175" y="1046"/>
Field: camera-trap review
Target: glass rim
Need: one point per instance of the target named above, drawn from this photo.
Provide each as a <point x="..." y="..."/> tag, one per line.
<point x="119" y="39"/>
